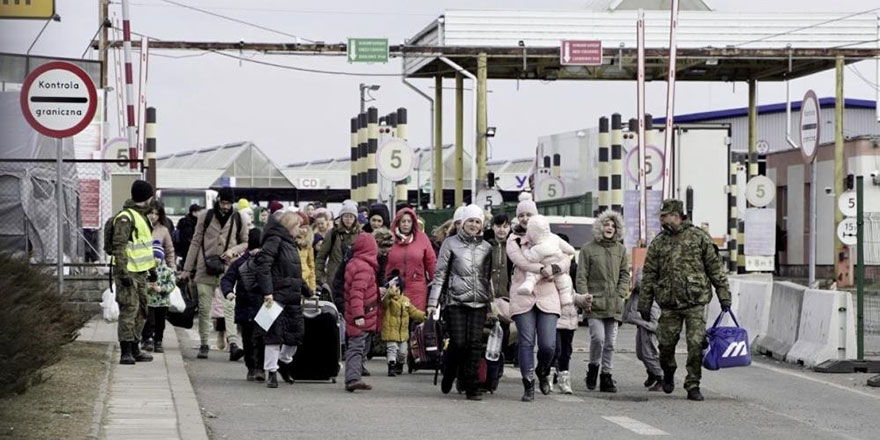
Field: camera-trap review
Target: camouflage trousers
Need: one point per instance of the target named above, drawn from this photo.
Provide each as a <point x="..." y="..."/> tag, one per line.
<point x="668" y="332"/>
<point x="132" y="307"/>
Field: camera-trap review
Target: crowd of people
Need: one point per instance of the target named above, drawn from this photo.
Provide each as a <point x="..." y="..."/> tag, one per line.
<point x="385" y="275"/>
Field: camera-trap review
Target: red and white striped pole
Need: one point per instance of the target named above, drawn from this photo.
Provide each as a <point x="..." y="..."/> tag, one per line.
<point x="131" y="128"/>
<point x="670" y="103"/>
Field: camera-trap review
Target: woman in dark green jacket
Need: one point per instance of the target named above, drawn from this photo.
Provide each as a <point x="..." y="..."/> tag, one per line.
<point x="603" y="271"/>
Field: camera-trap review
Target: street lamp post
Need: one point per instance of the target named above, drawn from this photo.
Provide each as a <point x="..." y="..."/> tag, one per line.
<point x="364" y="93"/>
<point x="27" y="55"/>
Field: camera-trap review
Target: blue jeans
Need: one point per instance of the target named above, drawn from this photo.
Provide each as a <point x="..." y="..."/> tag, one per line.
<point x="533" y="326"/>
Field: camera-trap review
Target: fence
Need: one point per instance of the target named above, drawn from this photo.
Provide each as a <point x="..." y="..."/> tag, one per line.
<point x="872" y="313"/>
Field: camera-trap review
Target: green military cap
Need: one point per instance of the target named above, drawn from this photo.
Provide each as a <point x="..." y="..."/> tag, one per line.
<point x="672" y="206"/>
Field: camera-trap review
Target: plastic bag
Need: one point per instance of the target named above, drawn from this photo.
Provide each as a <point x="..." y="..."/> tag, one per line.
<point x="109" y="305"/>
<point x="176" y="304"/>
<point x="493" y="347"/>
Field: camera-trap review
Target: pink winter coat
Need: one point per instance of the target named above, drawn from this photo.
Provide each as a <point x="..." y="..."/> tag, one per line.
<point x="414" y="259"/>
<point x="361" y="290"/>
<point x="545" y="297"/>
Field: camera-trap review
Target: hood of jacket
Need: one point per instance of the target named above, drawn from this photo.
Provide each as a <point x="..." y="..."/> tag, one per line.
<point x="275" y="229"/>
<point x="618" y="226"/>
<point x="538" y="229"/>
<point x="412" y="213"/>
<point x="366" y="249"/>
<point x="306" y="240"/>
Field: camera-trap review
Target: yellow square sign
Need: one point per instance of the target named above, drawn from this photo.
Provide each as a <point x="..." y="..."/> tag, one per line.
<point x="27" y="8"/>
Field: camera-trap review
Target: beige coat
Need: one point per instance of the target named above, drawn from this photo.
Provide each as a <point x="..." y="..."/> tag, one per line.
<point x="160" y="232"/>
<point x="214" y="239"/>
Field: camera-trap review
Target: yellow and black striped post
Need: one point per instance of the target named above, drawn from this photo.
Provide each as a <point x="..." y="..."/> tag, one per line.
<point x="616" y="168"/>
<point x="150" y="145"/>
<point x="353" y="158"/>
<point x="372" y="147"/>
<point x="362" y="159"/>
<point x="400" y="122"/>
<point x="732" y="225"/>
<point x="604" y="168"/>
<point x="740" y="226"/>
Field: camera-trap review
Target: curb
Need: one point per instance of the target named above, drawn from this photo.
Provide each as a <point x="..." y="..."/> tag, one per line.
<point x="101" y="401"/>
<point x="189" y="417"/>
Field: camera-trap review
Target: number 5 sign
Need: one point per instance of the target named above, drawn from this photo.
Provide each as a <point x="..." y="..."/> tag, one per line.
<point x="760" y="191"/>
<point x="394" y="159"/>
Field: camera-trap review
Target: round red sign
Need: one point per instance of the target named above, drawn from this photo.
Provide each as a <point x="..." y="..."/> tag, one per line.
<point x="58" y="99"/>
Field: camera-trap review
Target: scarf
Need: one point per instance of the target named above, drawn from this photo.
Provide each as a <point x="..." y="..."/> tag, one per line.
<point x="404" y="238"/>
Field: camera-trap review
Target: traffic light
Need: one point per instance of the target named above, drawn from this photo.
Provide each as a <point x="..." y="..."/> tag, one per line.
<point x="490" y="177"/>
<point x="850" y="182"/>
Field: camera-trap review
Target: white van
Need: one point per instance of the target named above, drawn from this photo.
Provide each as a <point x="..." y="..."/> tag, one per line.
<point x="579" y="230"/>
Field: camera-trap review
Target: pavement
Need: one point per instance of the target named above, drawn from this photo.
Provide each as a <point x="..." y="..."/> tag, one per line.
<point x="150" y="400"/>
<point x="769" y="400"/>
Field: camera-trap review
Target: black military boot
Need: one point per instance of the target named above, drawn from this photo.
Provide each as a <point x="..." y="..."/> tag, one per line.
<point x="606" y="383"/>
<point x="668" y="381"/>
<point x="592" y="374"/>
<point x="392" y="369"/>
<point x="272" y="380"/>
<point x="695" y="394"/>
<point x="139" y="355"/>
<point x="528" y="390"/>
<point x="125" y="357"/>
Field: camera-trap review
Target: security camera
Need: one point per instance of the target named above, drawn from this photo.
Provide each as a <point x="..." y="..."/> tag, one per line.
<point x="875" y="173"/>
<point x="828" y="190"/>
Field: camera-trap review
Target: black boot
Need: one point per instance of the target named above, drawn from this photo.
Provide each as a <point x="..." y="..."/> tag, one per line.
<point x="235" y="352"/>
<point x="250" y="375"/>
<point x="528" y="390"/>
<point x="447" y="382"/>
<point x="398" y="368"/>
<point x="392" y="369"/>
<point x="474" y="394"/>
<point x="592" y="374"/>
<point x="695" y="394"/>
<point x="147" y="345"/>
<point x="125" y="357"/>
<point x="652" y="379"/>
<point x="544" y="380"/>
<point x="157" y="347"/>
<point x="138" y="355"/>
<point x="272" y="380"/>
<point x="668" y="381"/>
<point x="203" y="352"/>
<point x="286" y="371"/>
<point x="606" y="383"/>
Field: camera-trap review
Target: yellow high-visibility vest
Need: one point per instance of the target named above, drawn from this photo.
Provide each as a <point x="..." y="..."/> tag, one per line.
<point x="139" y="248"/>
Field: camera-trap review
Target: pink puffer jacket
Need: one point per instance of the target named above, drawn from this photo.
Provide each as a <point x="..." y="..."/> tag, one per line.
<point x="545" y="295"/>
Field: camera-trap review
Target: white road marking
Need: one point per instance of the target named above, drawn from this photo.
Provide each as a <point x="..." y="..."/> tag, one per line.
<point x="813" y="379"/>
<point x="635" y="425"/>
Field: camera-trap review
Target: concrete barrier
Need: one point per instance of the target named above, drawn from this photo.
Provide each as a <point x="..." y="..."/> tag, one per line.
<point x="827" y="329"/>
<point x="753" y="310"/>
<point x="784" y="320"/>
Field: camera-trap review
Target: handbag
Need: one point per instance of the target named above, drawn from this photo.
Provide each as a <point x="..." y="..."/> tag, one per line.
<point x="176" y="304"/>
<point x="214" y="265"/>
<point x="728" y="346"/>
<point x="185" y="318"/>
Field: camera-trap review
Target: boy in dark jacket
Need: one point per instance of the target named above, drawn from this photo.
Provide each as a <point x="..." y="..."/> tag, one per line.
<point x="239" y="283"/>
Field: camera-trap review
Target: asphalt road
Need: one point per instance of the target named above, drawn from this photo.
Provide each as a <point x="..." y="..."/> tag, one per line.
<point x="768" y="400"/>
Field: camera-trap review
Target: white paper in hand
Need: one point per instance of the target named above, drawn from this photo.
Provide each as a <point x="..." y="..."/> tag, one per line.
<point x="267" y="315"/>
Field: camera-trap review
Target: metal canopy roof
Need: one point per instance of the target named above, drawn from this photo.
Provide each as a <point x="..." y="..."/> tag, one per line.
<point x="712" y="46"/>
<point x="240" y="164"/>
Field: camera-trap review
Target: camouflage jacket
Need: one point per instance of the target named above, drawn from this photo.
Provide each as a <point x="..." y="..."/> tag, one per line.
<point x="681" y="268"/>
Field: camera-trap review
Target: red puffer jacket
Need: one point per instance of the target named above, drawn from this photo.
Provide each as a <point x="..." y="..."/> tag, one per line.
<point x="414" y="258"/>
<point x="361" y="290"/>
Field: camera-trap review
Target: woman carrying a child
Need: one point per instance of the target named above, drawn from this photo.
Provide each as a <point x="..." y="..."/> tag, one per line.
<point x="603" y="272"/>
<point x="535" y="312"/>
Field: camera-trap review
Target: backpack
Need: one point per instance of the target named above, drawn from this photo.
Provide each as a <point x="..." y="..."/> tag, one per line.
<point x="247" y="273"/>
<point x="108" y="230"/>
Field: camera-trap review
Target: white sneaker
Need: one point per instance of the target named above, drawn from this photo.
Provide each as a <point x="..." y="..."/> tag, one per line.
<point x="565" y="382"/>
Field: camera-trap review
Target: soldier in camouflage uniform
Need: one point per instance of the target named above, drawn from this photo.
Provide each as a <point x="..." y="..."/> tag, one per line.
<point x="680" y="270"/>
<point x="133" y="268"/>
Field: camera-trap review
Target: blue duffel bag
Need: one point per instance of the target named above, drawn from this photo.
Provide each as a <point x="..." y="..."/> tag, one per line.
<point x="728" y="346"/>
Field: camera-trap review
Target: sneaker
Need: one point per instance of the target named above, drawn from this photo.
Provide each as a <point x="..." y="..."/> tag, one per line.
<point x="259" y="375"/>
<point x="250" y="375"/>
<point x="147" y="345"/>
<point x="203" y="352"/>
<point x="357" y="385"/>
<point x="565" y="382"/>
<point x="235" y="352"/>
<point x="695" y="394"/>
<point x="157" y="347"/>
<point x="139" y="356"/>
<point x="653" y="379"/>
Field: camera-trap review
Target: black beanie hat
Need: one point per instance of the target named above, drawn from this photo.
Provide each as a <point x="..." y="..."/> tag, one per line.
<point x="225" y="194"/>
<point x="141" y="191"/>
<point x="254" y="237"/>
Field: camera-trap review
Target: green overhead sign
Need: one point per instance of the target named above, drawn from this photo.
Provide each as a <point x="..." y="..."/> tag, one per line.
<point x="368" y="50"/>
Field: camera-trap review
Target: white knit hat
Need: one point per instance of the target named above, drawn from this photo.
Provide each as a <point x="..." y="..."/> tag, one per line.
<point x="526" y="204"/>
<point x="471" y="211"/>
<point x="348" y="207"/>
<point x="458" y="213"/>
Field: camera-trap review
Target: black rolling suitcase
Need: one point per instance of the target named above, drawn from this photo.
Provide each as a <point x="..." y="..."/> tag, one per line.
<point x="317" y="359"/>
<point x="425" y="346"/>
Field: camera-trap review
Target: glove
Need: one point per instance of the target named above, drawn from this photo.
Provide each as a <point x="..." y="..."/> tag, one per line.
<point x="725" y="306"/>
<point x="359" y="322"/>
<point x="153" y="276"/>
<point x="646" y="315"/>
<point x="556" y="269"/>
<point x="126" y="282"/>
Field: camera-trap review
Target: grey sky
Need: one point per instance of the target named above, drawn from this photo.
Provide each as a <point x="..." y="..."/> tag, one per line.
<point x="208" y="100"/>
